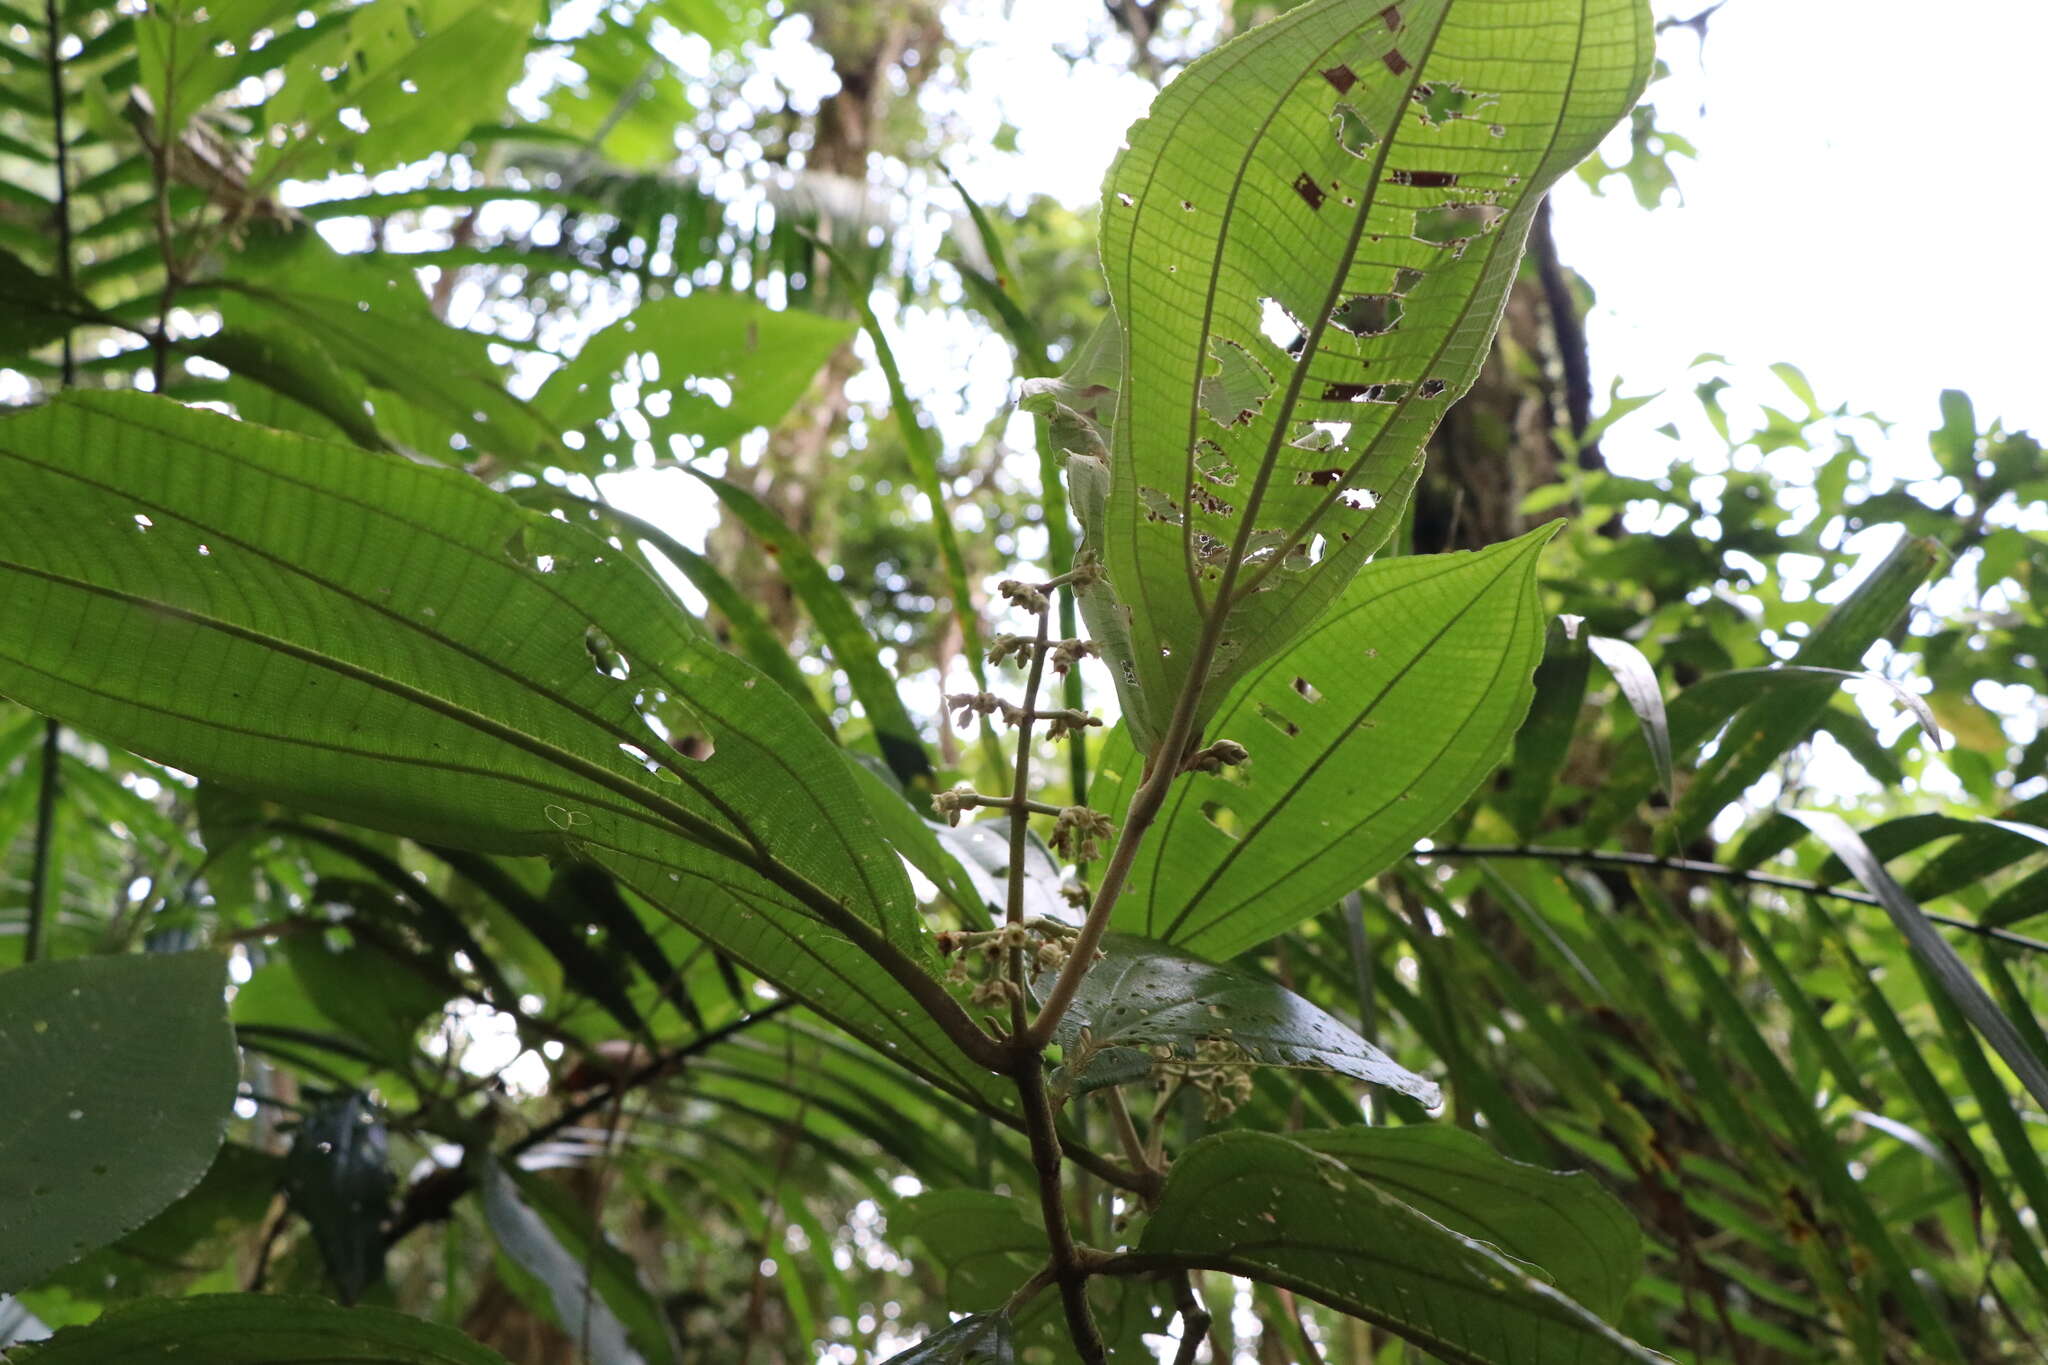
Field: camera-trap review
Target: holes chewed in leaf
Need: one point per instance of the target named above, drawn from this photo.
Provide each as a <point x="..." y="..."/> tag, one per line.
<point x="1237" y="390"/>
<point x="1341" y="76"/>
<point x="1424" y="180"/>
<point x="1431" y="388"/>
<point x="1280" y="327"/>
<point x="1406" y="279"/>
<point x="1449" y="224"/>
<point x="1365" y="393"/>
<point x="1359" y="499"/>
<point x="1278" y="721"/>
<point x="1321" y="436"/>
<point x="1368" y="315"/>
<point x="1318" y="478"/>
<point x="1209" y="502"/>
<point x="1159" y="507"/>
<point x="1307" y="689"/>
<point x="1311" y="193"/>
<point x="1396" y="63"/>
<point x="1222" y="817"/>
<point x="1443" y="101"/>
<point x="1212" y="464"/>
<point x="1354" y="134"/>
<point x="603" y="656"/>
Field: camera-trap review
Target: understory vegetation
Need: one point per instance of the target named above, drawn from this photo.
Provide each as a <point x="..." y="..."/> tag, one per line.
<point x="638" y="731"/>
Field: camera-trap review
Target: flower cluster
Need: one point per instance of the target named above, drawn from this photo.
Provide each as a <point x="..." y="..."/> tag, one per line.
<point x="1076" y="830"/>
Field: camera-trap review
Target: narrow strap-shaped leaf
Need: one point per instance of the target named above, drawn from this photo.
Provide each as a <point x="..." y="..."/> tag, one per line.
<point x="1308" y="241"/>
<point x="896" y="733"/>
<point x="1932" y="950"/>
<point x="1639" y="686"/>
<point x="1544" y="742"/>
<point x="254" y="1329"/>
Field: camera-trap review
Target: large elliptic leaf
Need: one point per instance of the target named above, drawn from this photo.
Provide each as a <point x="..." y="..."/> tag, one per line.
<point x="119" y="1074"/>
<point x="1147" y="998"/>
<point x="1364" y="737"/>
<point x="1564" y="1224"/>
<point x="1272" y="1209"/>
<point x="254" y="1329"/>
<point x="1308" y="243"/>
<point x="706" y="366"/>
<point x="399" y="646"/>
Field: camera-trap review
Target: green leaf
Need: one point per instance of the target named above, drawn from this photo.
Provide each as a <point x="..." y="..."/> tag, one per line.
<point x="1932" y="950"/>
<point x="254" y="1329"/>
<point x="561" y="1279"/>
<point x="1277" y="1211"/>
<point x="338" y="1178"/>
<point x="192" y="1240"/>
<point x="1565" y="1225"/>
<point x="987" y="1244"/>
<point x="35" y="309"/>
<point x="984" y="1339"/>
<point x="831" y="611"/>
<point x="120" y="1074"/>
<point x="703" y="370"/>
<point x="1638" y="683"/>
<point x="1364" y="737"/>
<point x="1146" y="996"/>
<point x="1308" y="241"/>
<point x="397" y="83"/>
<point x="548" y="1233"/>
<point x="1544" y="742"/>
<point x="398" y="646"/>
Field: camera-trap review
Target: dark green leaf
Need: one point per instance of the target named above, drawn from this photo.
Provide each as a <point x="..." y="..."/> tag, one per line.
<point x="1271" y="1209"/>
<point x="338" y="1178"/>
<point x="254" y="1329"/>
<point x="1146" y="995"/>
<point x="1566" y="1226"/>
<point x="119" y="1073"/>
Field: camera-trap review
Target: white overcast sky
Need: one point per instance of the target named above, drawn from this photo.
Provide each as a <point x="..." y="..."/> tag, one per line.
<point x="1870" y="175"/>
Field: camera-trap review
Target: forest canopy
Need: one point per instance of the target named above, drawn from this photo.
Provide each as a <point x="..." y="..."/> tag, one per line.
<point x="655" y="710"/>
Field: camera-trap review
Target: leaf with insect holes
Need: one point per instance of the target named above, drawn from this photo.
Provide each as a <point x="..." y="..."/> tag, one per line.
<point x="1172" y="1009"/>
<point x="1308" y="243"/>
<point x="399" y="646"/>
<point x="1364" y="736"/>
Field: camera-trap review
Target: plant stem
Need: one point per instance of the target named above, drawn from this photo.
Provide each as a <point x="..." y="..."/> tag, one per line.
<point x="47" y="777"/>
<point x="1694" y="867"/>
<point x="1020" y="819"/>
<point x="1194" y="1320"/>
<point x="1045" y="1160"/>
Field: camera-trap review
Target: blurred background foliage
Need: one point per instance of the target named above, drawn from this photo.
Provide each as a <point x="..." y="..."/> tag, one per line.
<point x="1666" y="983"/>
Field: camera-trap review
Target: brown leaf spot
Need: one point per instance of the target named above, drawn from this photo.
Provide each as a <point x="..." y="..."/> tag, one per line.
<point x="1396" y="63"/>
<point x="1341" y="76"/>
<point x="1424" y="180"/>
<point x="1391" y="16"/>
<point x="1311" y="193"/>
